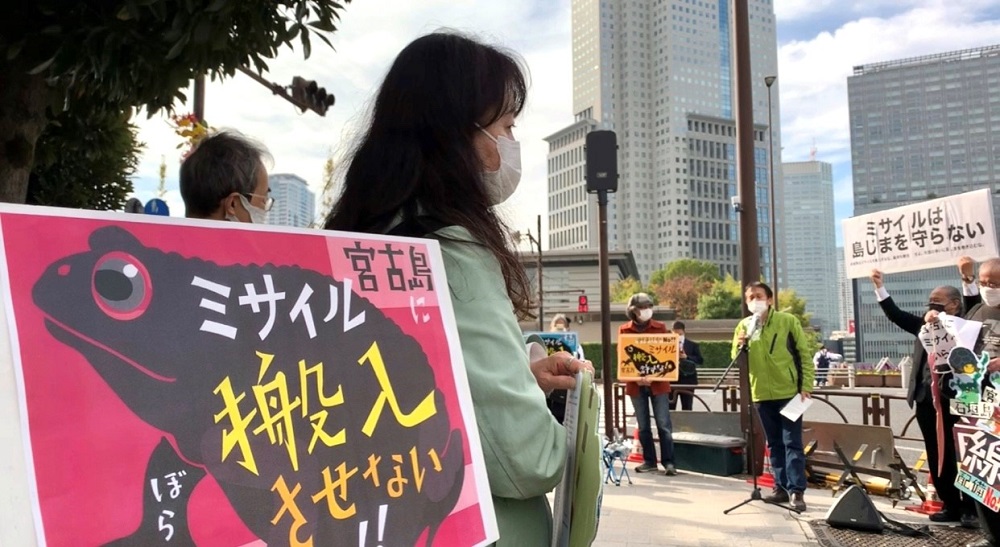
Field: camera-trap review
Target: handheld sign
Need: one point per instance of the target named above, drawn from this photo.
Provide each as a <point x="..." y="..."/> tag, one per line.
<point x="651" y="356"/>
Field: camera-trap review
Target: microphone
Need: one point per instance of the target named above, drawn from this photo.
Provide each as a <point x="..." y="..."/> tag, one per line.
<point x="752" y="327"/>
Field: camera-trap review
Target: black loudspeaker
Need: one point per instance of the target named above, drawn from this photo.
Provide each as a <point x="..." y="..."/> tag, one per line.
<point x="602" y="161"/>
<point x="855" y="510"/>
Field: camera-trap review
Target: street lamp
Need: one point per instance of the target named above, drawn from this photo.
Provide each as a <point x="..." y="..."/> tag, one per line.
<point x="769" y="80"/>
<point x="538" y="266"/>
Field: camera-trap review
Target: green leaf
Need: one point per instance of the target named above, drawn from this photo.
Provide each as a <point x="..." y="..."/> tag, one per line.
<point x="326" y="25"/>
<point x="41" y="68"/>
<point x="326" y="40"/>
<point x="216" y="5"/>
<point x="178" y="48"/>
<point x="306" y="45"/>
<point x="300" y="10"/>
<point x="14" y="50"/>
<point x="203" y="30"/>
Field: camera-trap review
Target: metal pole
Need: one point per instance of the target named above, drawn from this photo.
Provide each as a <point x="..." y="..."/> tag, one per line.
<point x="199" y="97"/>
<point x="745" y="174"/>
<point x="602" y="208"/>
<point x="541" y="293"/>
<point x="769" y="80"/>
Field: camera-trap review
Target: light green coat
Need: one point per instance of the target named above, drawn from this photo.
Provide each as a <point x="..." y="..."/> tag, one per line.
<point x="773" y="372"/>
<point x="524" y="446"/>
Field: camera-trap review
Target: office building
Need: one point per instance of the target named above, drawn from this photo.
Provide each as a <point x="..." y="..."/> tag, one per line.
<point x="845" y="295"/>
<point x="921" y="128"/>
<point x="807" y="241"/>
<point x="659" y="73"/>
<point x="294" y="202"/>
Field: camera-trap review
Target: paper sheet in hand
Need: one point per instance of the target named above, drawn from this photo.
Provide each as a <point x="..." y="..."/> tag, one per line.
<point x="796" y="407"/>
<point x="578" y="497"/>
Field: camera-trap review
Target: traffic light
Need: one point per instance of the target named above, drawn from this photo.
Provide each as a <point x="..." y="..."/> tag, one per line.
<point x="308" y="94"/>
<point x="582" y="306"/>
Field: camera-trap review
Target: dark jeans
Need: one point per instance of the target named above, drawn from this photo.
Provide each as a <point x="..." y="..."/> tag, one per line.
<point x="784" y="439"/>
<point x="947" y="492"/>
<point x="661" y="412"/>
<point x="686" y="397"/>
<point x="821" y="373"/>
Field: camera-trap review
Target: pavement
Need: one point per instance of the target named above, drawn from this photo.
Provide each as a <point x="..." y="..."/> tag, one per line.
<point x="687" y="510"/>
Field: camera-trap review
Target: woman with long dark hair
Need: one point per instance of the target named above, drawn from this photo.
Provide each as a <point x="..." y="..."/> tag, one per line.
<point x="438" y="155"/>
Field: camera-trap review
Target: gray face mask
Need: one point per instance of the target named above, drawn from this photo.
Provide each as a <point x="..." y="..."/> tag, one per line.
<point x="257" y="214"/>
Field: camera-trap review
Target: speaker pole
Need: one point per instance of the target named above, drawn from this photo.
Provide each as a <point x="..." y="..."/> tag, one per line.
<point x="601" y="151"/>
<point x="602" y="208"/>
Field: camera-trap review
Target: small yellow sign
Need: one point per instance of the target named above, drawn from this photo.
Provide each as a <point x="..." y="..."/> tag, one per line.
<point x="652" y="356"/>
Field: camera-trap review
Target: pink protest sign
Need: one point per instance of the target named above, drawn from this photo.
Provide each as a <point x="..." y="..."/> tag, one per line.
<point x="185" y="382"/>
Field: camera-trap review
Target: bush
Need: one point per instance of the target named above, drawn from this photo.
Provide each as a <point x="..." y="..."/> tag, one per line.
<point x="715" y="353"/>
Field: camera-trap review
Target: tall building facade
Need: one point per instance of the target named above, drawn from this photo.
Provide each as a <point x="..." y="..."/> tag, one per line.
<point x="659" y="73"/>
<point x="845" y="294"/>
<point x="294" y="202"/>
<point x="808" y="240"/>
<point x="921" y="128"/>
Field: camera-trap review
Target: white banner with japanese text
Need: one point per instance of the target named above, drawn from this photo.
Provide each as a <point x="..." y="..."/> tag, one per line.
<point x="924" y="235"/>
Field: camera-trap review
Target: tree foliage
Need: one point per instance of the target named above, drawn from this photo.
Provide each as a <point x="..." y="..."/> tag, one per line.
<point x="723" y="301"/>
<point x="131" y="53"/>
<point x="790" y="302"/>
<point x="686" y="267"/>
<point x="85" y="158"/>
<point x="623" y="289"/>
<point x="681" y="294"/>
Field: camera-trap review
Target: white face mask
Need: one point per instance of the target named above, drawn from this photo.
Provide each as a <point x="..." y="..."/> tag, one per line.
<point x="257" y="214"/>
<point x="645" y="315"/>
<point x="680" y="340"/>
<point x="991" y="296"/>
<point x="757" y="306"/>
<point x="500" y="184"/>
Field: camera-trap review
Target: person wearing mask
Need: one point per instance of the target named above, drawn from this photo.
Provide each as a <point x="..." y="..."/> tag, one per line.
<point x="956" y="507"/>
<point x="645" y="393"/>
<point x="690" y="355"/>
<point x="780" y="368"/>
<point x="984" y="291"/>
<point x="822" y="361"/>
<point x="560" y="323"/>
<point x="224" y="178"/>
<point x="436" y="157"/>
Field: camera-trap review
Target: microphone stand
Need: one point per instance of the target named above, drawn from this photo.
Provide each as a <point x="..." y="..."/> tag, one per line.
<point x="755" y="494"/>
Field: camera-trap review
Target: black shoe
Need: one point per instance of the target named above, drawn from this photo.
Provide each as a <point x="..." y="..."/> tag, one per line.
<point x="778" y="495"/>
<point x="980" y="543"/>
<point x="945" y="516"/>
<point x="798" y="503"/>
<point x="970" y="521"/>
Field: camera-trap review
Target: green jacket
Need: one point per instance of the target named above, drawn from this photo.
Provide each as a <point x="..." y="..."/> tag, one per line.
<point x="780" y="359"/>
<point x="524" y="446"/>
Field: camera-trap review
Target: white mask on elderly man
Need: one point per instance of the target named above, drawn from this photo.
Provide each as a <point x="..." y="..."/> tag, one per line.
<point x="645" y="315"/>
<point x="991" y="296"/>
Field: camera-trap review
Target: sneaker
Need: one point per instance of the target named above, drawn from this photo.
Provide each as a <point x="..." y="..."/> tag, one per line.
<point x="798" y="503"/>
<point x="645" y="468"/>
<point x="778" y="495"/>
<point x="669" y="470"/>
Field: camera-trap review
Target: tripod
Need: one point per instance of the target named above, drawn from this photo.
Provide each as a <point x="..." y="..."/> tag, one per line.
<point x="755" y="493"/>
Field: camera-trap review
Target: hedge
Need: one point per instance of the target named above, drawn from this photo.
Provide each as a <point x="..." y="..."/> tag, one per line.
<point x="716" y="354"/>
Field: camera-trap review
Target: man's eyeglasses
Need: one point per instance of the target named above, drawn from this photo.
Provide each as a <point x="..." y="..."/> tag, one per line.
<point x="989" y="284"/>
<point x="268" y="200"/>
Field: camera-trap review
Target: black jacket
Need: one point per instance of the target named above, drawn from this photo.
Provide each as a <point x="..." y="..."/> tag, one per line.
<point x="919" y="388"/>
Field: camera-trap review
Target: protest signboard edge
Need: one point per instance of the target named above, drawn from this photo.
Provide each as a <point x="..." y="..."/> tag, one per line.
<point x="19" y="501"/>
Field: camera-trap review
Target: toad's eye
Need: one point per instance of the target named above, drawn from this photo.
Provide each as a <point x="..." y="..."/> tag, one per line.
<point x="121" y="286"/>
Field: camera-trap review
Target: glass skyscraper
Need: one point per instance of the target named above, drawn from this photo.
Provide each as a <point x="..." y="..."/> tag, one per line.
<point x="921" y="128"/>
<point x="658" y="73"/>
<point x="294" y="202"/>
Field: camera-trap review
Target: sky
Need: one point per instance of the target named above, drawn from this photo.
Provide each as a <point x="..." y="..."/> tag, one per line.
<point x="819" y="43"/>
